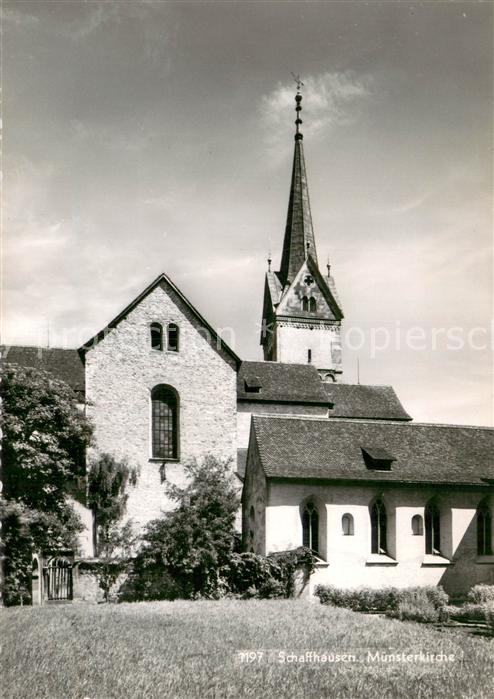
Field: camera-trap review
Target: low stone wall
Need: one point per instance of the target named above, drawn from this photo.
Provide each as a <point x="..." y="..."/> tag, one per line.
<point x="86" y="587"/>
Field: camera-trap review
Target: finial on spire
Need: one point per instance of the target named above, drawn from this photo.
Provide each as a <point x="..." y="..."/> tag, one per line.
<point x="298" y="99"/>
<point x="328" y="267"/>
<point x="307" y="249"/>
<point x="269" y="261"/>
<point x="297" y="80"/>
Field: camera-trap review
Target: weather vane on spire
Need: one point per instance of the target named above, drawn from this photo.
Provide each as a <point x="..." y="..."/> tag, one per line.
<point x="297" y="79"/>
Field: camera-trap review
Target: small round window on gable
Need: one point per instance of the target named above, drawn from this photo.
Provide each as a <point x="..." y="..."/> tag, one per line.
<point x="347" y="525"/>
<point x="417" y="525"/>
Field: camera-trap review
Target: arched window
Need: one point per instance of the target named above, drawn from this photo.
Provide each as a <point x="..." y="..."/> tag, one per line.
<point x="432" y="529"/>
<point x="484" y="530"/>
<point x="417" y="525"/>
<point x="164" y="423"/>
<point x="378" y="527"/>
<point x="347" y="525"/>
<point x="156" y="336"/>
<point x="305" y="303"/>
<point x="173" y="337"/>
<point x="312" y="305"/>
<point x="310" y="527"/>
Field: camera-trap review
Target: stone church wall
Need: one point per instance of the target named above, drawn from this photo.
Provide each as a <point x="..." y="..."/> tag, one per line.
<point x="121" y="371"/>
<point x="349" y="558"/>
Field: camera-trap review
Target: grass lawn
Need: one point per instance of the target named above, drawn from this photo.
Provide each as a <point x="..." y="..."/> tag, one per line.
<point x="192" y="649"/>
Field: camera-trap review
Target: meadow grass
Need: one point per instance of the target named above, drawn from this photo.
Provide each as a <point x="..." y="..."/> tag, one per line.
<point x="191" y="649"/>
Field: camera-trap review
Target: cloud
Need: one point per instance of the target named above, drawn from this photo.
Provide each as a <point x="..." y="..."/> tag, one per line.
<point x="91" y="22"/>
<point x="327" y="98"/>
<point x="12" y="15"/>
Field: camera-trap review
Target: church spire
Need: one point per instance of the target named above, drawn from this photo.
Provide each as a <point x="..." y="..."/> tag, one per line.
<point x="299" y="235"/>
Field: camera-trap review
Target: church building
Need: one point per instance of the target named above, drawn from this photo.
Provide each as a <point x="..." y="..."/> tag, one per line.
<point x="341" y="468"/>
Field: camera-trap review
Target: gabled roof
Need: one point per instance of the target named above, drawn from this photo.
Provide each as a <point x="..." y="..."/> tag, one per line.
<point x="165" y="281"/>
<point x="281" y="383"/>
<point x="360" y="401"/>
<point x="63" y="364"/>
<point x="321" y="449"/>
<point x="322" y="282"/>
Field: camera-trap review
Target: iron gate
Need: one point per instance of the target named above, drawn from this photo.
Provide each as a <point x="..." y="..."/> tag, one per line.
<point x="58" y="579"/>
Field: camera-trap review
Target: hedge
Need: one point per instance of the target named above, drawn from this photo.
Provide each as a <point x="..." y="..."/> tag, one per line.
<point x="386" y="599"/>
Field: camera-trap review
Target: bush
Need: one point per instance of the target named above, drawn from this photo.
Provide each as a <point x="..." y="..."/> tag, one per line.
<point x="489" y="616"/>
<point x="250" y="575"/>
<point x="419" y="609"/>
<point x="480" y="594"/>
<point x="466" y="612"/>
<point x="473" y="612"/>
<point x="366" y="599"/>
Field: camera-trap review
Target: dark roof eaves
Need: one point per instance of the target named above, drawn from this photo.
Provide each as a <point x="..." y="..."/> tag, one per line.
<point x="287" y="401"/>
<point x="483" y="483"/>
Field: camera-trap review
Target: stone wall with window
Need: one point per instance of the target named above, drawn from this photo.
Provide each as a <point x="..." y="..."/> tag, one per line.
<point x="345" y="537"/>
<point x="122" y="370"/>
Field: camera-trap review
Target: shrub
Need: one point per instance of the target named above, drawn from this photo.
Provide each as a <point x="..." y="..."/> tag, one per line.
<point x="419" y="609"/>
<point x="473" y="612"/>
<point x="365" y="599"/>
<point x="466" y="612"/>
<point x="489" y="616"/>
<point x="251" y="575"/>
<point x="480" y="594"/>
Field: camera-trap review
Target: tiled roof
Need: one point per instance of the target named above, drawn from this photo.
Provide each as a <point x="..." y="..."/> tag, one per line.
<point x="359" y="401"/>
<point x="281" y="383"/>
<point x="275" y="287"/>
<point x="64" y="364"/>
<point x="318" y="448"/>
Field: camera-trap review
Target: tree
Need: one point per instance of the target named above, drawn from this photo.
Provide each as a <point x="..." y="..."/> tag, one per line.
<point x="45" y="437"/>
<point x="188" y="546"/>
<point x="108" y="479"/>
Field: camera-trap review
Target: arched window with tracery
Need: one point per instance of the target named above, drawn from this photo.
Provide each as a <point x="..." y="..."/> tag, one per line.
<point x="310" y="527"/>
<point x="164" y="419"/>
<point x="312" y="305"/>
<point x="432" y="529"/>
<point x="173" y="337"/>
<point x="156" y="336"/>
<point x="347" y="525"/>
<point x="378" y="527"/>
<point x="305" y="303"/>
<point x="484" y="529"/>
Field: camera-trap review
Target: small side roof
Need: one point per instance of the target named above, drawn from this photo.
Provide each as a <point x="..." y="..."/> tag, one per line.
<point x="321" y="449"/>
<point x="63" y="364"/>
<point x="164" y="280"/>
<point x="359" y="401"/>
<point x="281" y="383"/>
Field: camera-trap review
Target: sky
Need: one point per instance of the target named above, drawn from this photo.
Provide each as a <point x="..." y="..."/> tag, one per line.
<point x="146" y="137"/>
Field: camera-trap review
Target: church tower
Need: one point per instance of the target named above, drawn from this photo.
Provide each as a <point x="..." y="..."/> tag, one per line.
<point x="301" y="314"/>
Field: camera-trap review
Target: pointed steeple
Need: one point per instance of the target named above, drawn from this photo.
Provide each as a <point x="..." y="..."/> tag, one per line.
<point x="299" y="236"/>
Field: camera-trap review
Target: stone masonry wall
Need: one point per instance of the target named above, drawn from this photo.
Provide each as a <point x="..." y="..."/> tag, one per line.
<point x="121" y="371"/>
